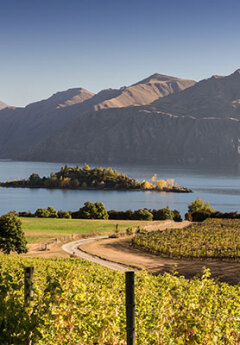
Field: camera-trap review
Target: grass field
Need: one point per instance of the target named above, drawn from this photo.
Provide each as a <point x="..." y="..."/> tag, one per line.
<point x="39" y="229"/>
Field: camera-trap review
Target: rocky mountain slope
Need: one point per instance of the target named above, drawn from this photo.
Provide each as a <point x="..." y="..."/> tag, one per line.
<point x="21" y="129"/>
<point x="146" y="91"/>
<point x="217" y="97"/>
<point x="160" y="119"/>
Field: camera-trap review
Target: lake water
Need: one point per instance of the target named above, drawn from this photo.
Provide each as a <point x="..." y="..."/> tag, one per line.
<point x="219" y="187"/>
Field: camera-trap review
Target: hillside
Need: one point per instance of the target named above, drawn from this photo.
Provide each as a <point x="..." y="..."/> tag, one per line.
<point x="139" y="136"/>
<point x="22" y="129"/>
<point x="217" y="97"/>
<point x="146" y="91"/>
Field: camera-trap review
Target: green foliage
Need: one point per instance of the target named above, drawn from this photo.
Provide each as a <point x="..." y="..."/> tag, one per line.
<point x="215" y="238"/>
<point x="140" y="230"/>
<point x="177" y="216"/>
<point x="143" y="214"/>
<point x="199" y="205"/>
<point x="163" y="214"/>
<point x="11" y="234"/>
<point x="129" y="231"/>
<point x="93" y="211"/>
<point x="34" y="179"/>
<point x="52" y="212"/>
<point x="64" y="214"/>
<point x="76" y="302"/>
<point x="42" y="213"/>
<point x="87" y="178"/>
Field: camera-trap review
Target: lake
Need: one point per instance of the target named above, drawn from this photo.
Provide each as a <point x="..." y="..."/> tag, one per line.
<point x="219" y="187"/>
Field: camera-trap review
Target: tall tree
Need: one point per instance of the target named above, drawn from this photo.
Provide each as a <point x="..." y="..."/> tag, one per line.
<point x="12" y="237"/>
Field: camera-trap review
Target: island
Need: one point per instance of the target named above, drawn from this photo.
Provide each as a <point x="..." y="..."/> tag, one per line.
<point x="94" y="179"/>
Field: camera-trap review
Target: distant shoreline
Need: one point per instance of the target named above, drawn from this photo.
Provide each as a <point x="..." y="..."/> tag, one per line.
<point x="166" y="190"/>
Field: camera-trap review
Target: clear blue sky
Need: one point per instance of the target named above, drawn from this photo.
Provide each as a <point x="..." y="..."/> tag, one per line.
<point x="48" y="46"/>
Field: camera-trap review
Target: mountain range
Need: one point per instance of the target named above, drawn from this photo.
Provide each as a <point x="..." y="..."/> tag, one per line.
<point x="161" y="119"/>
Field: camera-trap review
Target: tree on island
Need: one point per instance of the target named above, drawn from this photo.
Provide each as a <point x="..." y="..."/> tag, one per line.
<point x="12" y="237"/>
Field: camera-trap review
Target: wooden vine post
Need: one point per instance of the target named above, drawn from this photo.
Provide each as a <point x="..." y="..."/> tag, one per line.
<point x="130" y="307"/>
<point x="28" y="284"/>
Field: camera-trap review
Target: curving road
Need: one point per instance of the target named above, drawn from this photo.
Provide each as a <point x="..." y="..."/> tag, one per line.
<point x="72" y="248"/>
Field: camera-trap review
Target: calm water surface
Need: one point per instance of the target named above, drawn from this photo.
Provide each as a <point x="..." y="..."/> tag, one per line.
<point x="220" y="187"/>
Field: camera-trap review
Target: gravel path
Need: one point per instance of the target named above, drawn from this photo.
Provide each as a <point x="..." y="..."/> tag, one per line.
<point x="72" y="248"/>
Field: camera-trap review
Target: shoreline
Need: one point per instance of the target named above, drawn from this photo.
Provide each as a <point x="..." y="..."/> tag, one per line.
<point x="164" y="190"/>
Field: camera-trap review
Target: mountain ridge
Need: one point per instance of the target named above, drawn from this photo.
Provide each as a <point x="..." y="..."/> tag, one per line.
<point x="160" y="119"/>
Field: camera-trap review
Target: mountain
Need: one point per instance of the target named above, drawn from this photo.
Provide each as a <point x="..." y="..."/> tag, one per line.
<point x="63" y="99"/>
<point x="217" y="97"/>
<point x="160" y="119"/>
<point x="23" y="128"/>
<point x="146" y="91"/>
<point x="131" y="135"/>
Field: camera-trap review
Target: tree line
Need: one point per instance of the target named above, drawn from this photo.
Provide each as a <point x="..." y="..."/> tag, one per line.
<point x="12" y="237"/>
<point x="98" y="210"/>
<point x="198" y="211"/>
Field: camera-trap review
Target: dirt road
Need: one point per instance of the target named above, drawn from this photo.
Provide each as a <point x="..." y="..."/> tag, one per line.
<point x="120" y="250"/>
<point x="72" y="248"/>
<point x="117" y="254"/>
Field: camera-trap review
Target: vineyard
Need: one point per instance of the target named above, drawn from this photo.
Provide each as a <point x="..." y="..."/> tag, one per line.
<point x="80" y="303"/>
<point x="213" y="238"/>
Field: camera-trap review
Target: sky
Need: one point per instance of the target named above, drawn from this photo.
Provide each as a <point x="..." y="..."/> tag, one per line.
<point x="54" y="45"/>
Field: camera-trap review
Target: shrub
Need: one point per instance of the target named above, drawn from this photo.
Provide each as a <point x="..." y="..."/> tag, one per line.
<point x="52" y="212"/>
<point x="93" y="211"/>
<point x="12" y="237"/>
<point x="129" y="231"/>
<point x="140" y="230"/>
<point x="121" y="215"/>
<point x="200" y="216"/>
<point x="142" y="214"/>
<point x="64" y="214"/>
<point x="26" y="214"/>
<point x="42" y="213"/>
<point x="177" y="216"/>
<point x="199" y="205"/>
<point x="163" y="214"/>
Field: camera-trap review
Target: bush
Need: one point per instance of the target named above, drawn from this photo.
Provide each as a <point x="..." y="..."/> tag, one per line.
<point x="142" y="214"/>
<point x="121" y="215"/>
<point x="64" y="214"/>
<point x="129" y="231"/>
<point x="42" y="213"/>
<point x="140" y="230"/>
<point x="52" y="212"/>
<point x="200" y="216"/>
<point x="177" y="216"/>
<point x="93" y="211"/>
<point x="188" y="216"/>
<point x="26" y="214"/>
<point x="199" y="205"/>
<point x="12" y="237"/>
<point x="163" y="214"/>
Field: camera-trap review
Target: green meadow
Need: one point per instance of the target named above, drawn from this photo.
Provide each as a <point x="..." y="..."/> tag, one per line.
<point x="37" y="229"/>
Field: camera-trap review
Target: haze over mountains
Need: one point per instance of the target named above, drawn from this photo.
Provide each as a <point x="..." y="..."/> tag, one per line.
<point x="160" y="119"/>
